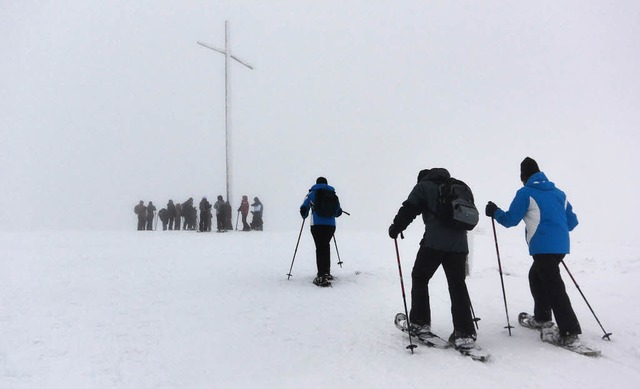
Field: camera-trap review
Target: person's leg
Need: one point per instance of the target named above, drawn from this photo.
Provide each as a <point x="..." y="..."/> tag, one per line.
<point x="322" y="239"/>
<point x="454" y="269"/>
<point x="426" y="264"/>
<point x="549" y="272"/>
<point x="541" y="304"/>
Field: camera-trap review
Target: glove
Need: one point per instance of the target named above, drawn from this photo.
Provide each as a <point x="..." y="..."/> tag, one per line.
<point x="490" y="209"/>
<point x="304" y="212"/>
<point x="339" y="212"/>
<point x="394" y="232"/>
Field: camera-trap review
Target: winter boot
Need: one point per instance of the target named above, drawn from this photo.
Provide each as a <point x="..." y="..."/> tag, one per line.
<point x="321" y="281"/>
<point x="460" y="341"/>
<point x="419" y="329"/>
<point x="549" y="332"/>
<point x="571" y="340"/>
<point x="530" y="321"/>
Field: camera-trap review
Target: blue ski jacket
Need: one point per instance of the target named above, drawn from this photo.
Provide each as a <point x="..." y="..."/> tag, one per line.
<point x="547" y="214"/>
<point x="308" y="202"/>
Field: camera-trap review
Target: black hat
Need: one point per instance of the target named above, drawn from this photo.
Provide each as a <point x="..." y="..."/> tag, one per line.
<point x="321" y="180"/>
<point x="528" y="167"/>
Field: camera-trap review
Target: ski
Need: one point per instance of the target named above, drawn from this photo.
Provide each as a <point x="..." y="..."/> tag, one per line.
<point x="549" y="333"/>
<point x="432" y="340"/>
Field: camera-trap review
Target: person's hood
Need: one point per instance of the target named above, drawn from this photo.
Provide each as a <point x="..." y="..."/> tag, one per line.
<point x="436" y="173"/>
<point x="540" y="181"/>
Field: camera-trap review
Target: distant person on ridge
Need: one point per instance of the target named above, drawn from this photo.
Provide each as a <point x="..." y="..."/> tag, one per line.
<point x="205" y="215"/>
<point x="176" y="225"/>
<point x="163" y="214"/>
<point x="325" y="207"/>
<point x="228" y="223"/>
<point x="171" y="214"/>
<point x="244" y="211"/>
<point x="151" y="214"/>
<point x="141" y="211"/>
<point x="548" y="218"/>
<point x="219" y="207"/>
<point x="256" y="212"/>
<point x="189" y="212"/>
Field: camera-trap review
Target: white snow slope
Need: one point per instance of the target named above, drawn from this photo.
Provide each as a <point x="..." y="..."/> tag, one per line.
<point x="181" y="309"/>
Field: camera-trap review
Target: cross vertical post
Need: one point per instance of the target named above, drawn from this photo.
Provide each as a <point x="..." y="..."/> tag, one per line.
<point x="227" y="113"/>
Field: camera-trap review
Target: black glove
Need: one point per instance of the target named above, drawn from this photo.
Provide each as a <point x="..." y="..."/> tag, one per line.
<point x="394" y="232"/>
<point x="339" y="212"/>
<point x="490" y="209"/>
<point x="304" y="212"/>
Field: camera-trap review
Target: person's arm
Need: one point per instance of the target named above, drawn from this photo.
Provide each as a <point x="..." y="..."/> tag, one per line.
<point x="572" y="219"/>
<point x="518" y="208"/>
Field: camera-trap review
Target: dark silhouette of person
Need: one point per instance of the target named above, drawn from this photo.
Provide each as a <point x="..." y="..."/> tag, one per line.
<point x="228" y="223"/>
<point x="205" y="215"/>
<point x="141" y="211"/>
<point x="171" y="214"/>
<point x="151" y="214"/>
<point x="176" y="224"/>
<point x="163" y="214"/>
<point x="219" y="207"/>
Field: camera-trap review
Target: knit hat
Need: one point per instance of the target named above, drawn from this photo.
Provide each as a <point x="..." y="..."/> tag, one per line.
<point x="528" y="167"/>
<point x="321" y="180"/>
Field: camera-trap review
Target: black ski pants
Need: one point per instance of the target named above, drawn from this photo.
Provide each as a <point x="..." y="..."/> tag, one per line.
<point x="245" y="225"/>
<point x="322" y="235"/>
<point x="427" y="262"/>
<point x="549" y="293"/>
<point x="142" y="222"/>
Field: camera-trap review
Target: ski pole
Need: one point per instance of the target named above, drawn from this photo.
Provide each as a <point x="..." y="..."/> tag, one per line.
<point x="237" y="218"/>
<point x="606" y="334"/>
<point x="337" y="252"/>
<point x="296" y="250"/>
<point x="504" y="295"/>
<point x="411" y="346"/>
<point x="473" y="314"/>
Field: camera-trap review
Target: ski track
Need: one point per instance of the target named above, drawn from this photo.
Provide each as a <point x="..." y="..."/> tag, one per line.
<point x="180" y="309"/>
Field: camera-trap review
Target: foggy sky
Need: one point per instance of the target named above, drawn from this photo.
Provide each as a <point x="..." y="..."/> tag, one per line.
<point x="103" y="104"/>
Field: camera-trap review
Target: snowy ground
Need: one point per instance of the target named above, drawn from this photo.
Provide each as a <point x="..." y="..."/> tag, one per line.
<point x="189" y="310"/>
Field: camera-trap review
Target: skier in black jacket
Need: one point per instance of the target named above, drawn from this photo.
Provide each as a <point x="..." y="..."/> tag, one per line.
<point x="440" y="245"/>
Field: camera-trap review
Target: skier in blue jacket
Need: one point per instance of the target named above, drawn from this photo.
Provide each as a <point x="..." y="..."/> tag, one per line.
<point x="548" y="218"/>
<point x="322" y="229"/>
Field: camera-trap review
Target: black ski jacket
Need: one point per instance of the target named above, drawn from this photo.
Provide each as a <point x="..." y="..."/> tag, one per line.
<point x="422" y="200"/>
